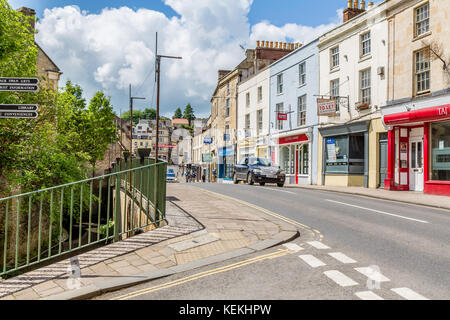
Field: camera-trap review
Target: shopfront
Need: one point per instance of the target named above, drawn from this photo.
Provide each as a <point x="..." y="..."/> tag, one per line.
<point x="419" y="150"/>
<point x="345" y="152"/>
<point x="226" y="162"/>
<point x="295" y="158"/>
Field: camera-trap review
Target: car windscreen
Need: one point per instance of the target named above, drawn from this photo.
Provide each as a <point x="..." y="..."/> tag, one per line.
<point x="259" y="162"/>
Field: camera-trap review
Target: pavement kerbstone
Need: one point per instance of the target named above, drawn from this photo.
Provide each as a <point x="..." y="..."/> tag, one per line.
<point x="268" y="243"/>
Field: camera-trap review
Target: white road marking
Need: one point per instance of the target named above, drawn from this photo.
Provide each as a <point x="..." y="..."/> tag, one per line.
<point x="340" y="278"/>
<point x="312" y="261"/>
<point x="378" y="211"/>
<point x="372" y="274"/>
<point x="408" y="294"/>
<point x="277" y="190"/>
<point x="293" y="247"/>
<point x="318" y="245"/>
<point x="368" y="295"/>
<point x="341" y="257"/>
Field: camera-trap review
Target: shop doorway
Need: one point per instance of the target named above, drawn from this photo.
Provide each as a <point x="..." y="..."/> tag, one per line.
<point x="383" y="158"/>
<point x="416" y="176"/>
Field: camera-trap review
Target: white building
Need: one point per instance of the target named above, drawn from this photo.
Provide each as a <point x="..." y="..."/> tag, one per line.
<point x="253" y="115"/>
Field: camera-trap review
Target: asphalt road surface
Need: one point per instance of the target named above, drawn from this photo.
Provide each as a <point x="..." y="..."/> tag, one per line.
<point x="369" y="249"/>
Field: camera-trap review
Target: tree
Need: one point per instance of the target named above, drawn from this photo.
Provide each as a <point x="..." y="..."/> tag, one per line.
<point x="178" y="114"/>
<point x="149" y="114"/>
<point x="189" y="113"/>
<point x="100" y="128"/>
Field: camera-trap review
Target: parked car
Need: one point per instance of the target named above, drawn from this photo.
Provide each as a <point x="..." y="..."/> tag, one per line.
<point x="258" y="170"/>
<point x="171" y="176"/>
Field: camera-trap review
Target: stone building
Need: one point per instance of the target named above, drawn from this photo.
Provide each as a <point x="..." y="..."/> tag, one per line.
<point x="48" y="71"/>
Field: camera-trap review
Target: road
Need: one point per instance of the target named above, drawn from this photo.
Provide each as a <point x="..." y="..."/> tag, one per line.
<point x="408" y="246"/>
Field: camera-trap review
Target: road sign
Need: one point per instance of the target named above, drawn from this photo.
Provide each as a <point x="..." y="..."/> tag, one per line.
<point x="208" y="140"/>
<point x="19" y="87"/>
<point x="18" y="114"/>
<point x="19" y="107"/>
<point x="19" y="81"/>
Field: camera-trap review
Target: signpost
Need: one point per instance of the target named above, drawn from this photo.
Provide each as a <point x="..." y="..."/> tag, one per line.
<point x="18" y="114"/>
<point x="326" y="107"/>
<point x="19" y="111"/>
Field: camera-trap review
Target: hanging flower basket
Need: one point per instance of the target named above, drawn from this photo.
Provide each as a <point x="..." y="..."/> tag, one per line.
<point x="362" y="106"/>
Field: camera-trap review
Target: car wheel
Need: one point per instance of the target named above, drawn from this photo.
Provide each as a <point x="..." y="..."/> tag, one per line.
<point x="235" y="180"/>
<point x="281" y="185"/>
<point x="250" y="179"/>
<point x="262" y="184"/>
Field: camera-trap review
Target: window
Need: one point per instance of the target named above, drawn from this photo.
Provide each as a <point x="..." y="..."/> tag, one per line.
<point x="280" y="84"/>
<point x="260" y="121"/>
<point x="335" y="57"/>
<point x="365" y="86"/>
<point x="247" y="121"/>
<point x="228" y="88"/>
<point x="260" y="94"/>
<point x="334" y="92"/>
<point x="301" y="112"/>
<point x="279" y="122"/>
<point x="422" y="19"/>
<point x="422" y="71"/>
<point x="227" y="109"/>
<point x="440" y="151"/>
<point x="345" y="154"/>
<point x="247" y="99"/>
<point x="302" y="73"/>
<point x="365" y="44"/>
<point x="303" y="161"/>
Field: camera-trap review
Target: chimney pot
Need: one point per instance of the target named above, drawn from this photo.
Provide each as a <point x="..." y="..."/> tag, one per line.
<point x="267" y="44"/>
<point x="370" y="5"/>
<point x="349" y="4"/>
<point x="271" y="44"/>
<point x="257" y="44"/>
<point x="362" y="5"/>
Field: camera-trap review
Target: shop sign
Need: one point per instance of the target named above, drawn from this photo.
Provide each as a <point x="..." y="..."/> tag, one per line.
<point x="293" y="139"/>
<point x="326" y="107"/>
<point x="282" y="116"/>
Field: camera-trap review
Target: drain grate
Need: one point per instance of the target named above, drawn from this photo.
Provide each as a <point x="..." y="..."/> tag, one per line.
<point x="172" y="198"/>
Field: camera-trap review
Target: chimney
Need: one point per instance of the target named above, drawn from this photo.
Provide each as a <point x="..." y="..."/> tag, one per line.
<point x="223" y="73"/>
<point x="353" y="10"/>
<point x="29" y="13"/>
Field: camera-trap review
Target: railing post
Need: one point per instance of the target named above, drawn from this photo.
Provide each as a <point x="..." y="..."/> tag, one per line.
<point x="117" y="210"/>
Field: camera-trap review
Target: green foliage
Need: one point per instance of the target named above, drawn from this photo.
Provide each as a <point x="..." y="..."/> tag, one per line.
<point x="178" y="114"/>
<point x="189" y="113"/>
<point x="147" y="114"/>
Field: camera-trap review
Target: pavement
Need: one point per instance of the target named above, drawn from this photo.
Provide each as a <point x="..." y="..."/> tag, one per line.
<point x="419" y="198"/>
<point x="203" y="228"/>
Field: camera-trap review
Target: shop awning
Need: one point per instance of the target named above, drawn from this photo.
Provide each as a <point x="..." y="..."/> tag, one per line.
<point x="421" y="115"/>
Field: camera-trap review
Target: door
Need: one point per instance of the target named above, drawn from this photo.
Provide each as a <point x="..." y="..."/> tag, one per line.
<point x="298" y="162"/>
<point x="416" y="164"/>
<point x="383" y="158"/>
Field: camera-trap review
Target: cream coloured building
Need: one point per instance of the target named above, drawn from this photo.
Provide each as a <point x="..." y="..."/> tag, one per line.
<point x="353" y="63"/>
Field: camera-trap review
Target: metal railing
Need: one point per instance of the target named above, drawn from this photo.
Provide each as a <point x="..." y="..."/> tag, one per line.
<point x="39" y="226"/>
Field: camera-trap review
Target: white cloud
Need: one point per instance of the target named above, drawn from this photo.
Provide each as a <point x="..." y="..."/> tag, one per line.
<point x="111" y="49"/>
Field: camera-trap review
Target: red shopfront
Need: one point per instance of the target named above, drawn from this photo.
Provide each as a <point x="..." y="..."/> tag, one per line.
<point x="419" y="151"/>
<point x="294" y="154"/>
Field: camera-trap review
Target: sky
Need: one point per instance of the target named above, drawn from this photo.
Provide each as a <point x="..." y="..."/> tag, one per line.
<point x="107" y="45"/>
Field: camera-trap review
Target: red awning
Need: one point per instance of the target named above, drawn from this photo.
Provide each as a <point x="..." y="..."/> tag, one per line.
<point x="421" y="115"/>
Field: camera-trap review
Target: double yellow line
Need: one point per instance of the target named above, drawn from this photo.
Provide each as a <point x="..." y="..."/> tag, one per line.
<point x="273" y="255"/>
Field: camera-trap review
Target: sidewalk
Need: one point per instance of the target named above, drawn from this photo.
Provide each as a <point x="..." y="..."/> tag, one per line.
<point x="203" y="228"/>
<point x="410" y="197"/>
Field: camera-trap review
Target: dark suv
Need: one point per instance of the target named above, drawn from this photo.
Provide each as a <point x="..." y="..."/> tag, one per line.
<point x="258" y="170"/>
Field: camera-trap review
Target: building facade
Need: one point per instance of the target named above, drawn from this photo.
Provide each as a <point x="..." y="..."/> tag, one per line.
<point x="417" y="112"/>
<point x="293" y="120"/>
<point x="353" y="87"/>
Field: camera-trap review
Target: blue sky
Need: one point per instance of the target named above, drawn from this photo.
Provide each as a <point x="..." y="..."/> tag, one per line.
<point x="107" y="45"/>
<point x="277" y="12"/>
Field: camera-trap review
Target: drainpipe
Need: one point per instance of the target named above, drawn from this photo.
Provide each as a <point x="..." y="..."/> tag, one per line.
<point x="366" y="159"/>
<point x="324" y="162"/>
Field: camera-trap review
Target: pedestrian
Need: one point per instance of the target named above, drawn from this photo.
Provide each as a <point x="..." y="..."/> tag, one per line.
<point x="186" y="174"/>
<point x="203" y="178"/>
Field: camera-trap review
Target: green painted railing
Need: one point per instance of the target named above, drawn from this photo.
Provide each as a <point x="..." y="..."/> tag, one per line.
<point x="39" y="226"/>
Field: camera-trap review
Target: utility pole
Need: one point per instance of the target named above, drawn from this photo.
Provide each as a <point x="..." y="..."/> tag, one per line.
<point x="158" y="83"/>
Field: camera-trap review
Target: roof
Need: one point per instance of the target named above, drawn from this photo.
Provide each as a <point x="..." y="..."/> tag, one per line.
<point x="180" y="121"/>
